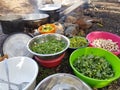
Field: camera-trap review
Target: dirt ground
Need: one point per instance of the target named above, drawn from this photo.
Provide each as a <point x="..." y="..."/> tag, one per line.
<point x="109" y="12"/>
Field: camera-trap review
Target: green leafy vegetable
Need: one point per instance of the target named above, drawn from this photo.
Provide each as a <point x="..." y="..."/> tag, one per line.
<point x="50" y="46"/>
<point x="94" y="67"/>
<point x="77" y="41"/>
<point x="47" y="27"/>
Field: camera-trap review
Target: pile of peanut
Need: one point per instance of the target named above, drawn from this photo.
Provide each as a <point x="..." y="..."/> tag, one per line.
<point x="107" y="44"/>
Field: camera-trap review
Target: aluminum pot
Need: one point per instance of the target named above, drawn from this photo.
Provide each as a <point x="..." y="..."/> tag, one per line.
<point x="35" y="20"/>
<point x="52" y="10"/>
<point x="11" y="23"/>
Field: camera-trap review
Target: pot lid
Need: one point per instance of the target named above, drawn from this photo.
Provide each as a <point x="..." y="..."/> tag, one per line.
<point x="49" y="7"/>
<point x="10" y="17"/>
<point x="16" y="45"/>
<point x="35" y="16"/>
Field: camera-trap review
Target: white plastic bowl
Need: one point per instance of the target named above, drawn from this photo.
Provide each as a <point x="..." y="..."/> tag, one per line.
<point x="21" y="69"/>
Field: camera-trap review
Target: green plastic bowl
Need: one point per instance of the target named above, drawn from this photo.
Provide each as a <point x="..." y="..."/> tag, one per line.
<point x="111" y="58"/>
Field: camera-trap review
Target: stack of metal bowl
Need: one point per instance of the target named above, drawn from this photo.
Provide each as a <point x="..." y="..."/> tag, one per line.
<point x="52" y="59"/>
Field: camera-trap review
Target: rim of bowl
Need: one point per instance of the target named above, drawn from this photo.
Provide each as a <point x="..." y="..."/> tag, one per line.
<point x="50" y="7"/>
<point x="31" y="17"/>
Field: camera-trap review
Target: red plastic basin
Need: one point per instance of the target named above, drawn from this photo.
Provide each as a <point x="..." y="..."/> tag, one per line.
<point x="50" y="63"/>
<point x="103" y="35"/>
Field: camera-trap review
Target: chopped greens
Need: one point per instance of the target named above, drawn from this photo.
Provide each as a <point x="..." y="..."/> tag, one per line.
<point x="77" y="41"/>
<point x="47" y="27"/>
<point x="50" y="46"/>
<point x="94" y="67"/>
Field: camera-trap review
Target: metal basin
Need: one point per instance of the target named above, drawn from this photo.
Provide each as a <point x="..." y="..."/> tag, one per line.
<point x="45" y="37"/>
<point x="62" y="81"/>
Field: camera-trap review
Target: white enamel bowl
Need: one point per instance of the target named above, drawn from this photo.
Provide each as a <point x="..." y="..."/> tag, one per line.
<point x="21" y="69"/>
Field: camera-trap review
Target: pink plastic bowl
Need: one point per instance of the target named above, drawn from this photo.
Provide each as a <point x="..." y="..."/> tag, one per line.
<point x="104" y="35"/>
<point x="50" y="63"/>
